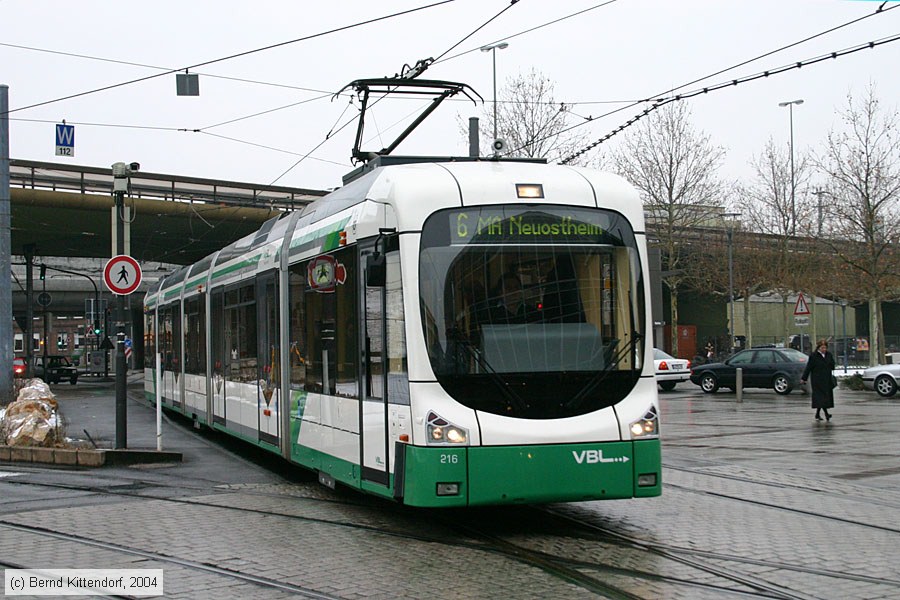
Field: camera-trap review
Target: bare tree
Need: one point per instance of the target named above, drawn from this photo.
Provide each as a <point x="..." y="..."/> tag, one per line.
<point x="674" y="167"/>
<point x="767" y="204"/>
<point x="776" y="202"/>
<point x="530" y="121"/>
<point x="862" y="164"/>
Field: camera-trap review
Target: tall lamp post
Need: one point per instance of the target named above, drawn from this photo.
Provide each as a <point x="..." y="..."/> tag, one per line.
<point x="790" y="104"/>
<point x="844" y="326"/>
<point x="493" y="50"/>
<point x="730" y="233"/>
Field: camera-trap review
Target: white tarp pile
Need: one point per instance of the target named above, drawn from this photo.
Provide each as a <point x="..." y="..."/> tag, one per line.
<point x="33" y="419"/>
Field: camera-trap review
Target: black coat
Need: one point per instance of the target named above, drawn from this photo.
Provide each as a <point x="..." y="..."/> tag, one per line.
<point x="819" y="370"/>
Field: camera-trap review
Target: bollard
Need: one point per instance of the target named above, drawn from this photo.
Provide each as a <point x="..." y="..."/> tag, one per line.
<point x="739" y="385"/>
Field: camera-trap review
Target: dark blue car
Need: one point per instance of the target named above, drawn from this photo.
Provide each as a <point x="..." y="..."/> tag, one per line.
<point x="776" y="368"/>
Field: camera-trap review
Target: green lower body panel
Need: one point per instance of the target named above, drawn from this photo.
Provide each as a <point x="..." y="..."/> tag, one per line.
<point x="531" y="474"/>
<point x="647" y="464"/>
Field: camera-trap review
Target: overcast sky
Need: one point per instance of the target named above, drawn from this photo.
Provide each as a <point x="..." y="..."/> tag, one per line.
<point x="602" y="59"/>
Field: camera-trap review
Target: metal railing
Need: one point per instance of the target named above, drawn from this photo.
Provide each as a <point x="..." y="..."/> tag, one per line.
<point x="29" y="174"/>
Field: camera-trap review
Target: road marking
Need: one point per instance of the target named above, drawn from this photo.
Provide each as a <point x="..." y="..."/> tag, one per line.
<point x="8" y="474"/>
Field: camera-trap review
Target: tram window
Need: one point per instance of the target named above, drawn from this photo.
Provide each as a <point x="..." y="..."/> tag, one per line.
<point x="297" y="316"/>
<point x="216" y="328"/>
<point x="170" y="337"/>
<point x="175" y="361"/>
<point x="347" y="332"/>
<point x="374" y="343"/>
<point x="165" y="337"/>
<point x="397" y="368"/>
<point x="240" y="333"/>
<point x="195" y="336"/>
<point x="324" y="331"/>
<point x="569" y="282"/>
<point x="149" y="342"/>
<point x="270" y="358"/>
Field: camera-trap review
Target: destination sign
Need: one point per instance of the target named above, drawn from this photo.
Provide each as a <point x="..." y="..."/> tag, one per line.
<point x="504" y="225"/>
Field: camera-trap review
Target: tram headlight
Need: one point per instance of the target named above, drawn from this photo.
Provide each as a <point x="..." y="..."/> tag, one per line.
<point x="443" y="432"/>
<point x="645" y="427"/>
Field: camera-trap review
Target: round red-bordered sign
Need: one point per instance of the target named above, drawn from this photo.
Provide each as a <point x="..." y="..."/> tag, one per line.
<point x="122" y="275"/>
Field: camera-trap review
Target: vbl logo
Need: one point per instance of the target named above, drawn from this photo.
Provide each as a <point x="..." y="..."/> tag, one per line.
<point x="595" y="456"/>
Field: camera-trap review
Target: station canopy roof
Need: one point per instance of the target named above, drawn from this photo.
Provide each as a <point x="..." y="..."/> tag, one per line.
<point x="67" y="211"/>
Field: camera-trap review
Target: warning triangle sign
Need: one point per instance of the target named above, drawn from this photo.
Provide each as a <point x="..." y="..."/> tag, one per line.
<point x="801" y="307"/>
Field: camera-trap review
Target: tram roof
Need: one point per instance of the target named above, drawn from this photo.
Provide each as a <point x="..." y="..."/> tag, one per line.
<point x="389" y="160"/>
<point x="363" y="184"/>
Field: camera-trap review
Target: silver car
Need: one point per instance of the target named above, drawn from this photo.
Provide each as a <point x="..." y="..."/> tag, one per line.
<point x="883" y="379"/>
<point x="670" y="370"/>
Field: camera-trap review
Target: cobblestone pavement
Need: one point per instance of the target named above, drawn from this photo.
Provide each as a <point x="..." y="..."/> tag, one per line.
<point x="759" y="500"/>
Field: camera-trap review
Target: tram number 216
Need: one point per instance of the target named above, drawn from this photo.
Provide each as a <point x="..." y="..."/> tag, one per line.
<point x="449" y="459"/>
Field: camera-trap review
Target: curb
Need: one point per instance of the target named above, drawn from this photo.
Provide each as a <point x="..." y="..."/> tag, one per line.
<point x="85" y="457"/>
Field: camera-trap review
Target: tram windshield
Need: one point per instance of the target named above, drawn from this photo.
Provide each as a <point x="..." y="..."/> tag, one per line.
<point x="532" y="311"/>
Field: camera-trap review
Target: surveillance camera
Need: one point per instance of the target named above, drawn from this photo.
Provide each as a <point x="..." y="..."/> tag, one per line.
<point x="499" y="145"/>
<point x="135" y="166"/>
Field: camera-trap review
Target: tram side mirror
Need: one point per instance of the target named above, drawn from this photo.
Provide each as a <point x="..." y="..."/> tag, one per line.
<point x="376" y="270"/>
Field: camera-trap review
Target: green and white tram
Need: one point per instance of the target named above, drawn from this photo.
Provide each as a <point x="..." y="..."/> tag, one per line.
<point x="445" y="334"/>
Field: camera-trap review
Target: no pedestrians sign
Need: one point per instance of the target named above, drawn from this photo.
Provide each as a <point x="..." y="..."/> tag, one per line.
<point x="122" y="275"/>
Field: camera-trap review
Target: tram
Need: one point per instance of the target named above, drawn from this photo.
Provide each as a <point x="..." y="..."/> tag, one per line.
<point x="441" y="332"/>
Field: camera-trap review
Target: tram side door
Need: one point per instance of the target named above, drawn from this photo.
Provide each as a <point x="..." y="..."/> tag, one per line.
<point x="167" y="338"/>
<point x="374" y="418"/>
<point x="268" y="389"/>
<point x="219" y="357"/>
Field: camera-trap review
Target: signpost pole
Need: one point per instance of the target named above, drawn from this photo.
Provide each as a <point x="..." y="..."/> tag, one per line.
<point x="6" y="313"/>
<point x="29" y="251"/>
<point x="801" y="318"/>
<point x="122" y="276"/>
<point x="120" y="185"/>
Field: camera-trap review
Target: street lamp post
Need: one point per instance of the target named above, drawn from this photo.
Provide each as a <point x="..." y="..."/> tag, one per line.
<point x="493" y="50"/>
<point x="819" y="210"/>
<point x="844" y="325"/>
<point x="730" y="233"/>
<point x="790" y="104"/>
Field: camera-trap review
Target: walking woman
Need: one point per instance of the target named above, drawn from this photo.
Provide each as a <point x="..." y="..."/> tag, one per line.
<point x="820" y="370"/>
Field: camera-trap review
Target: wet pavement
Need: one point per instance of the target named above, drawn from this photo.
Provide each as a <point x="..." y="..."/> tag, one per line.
<point x="759" y="500"/>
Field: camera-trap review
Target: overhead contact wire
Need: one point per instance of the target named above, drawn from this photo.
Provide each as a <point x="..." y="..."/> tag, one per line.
<point x="880" y="10"/>
<point x="233" y="56"/>
<point x="732" y="83"/>
<point x="334" y="131"/>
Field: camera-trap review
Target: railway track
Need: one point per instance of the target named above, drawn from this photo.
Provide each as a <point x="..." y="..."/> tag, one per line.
<point x="257" y="581"/>
<point x="473" y="533"/>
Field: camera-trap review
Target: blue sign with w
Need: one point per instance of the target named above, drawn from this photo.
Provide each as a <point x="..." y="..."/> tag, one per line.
<point x="65" y="140"/>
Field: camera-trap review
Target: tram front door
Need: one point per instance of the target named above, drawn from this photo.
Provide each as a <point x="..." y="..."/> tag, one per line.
<point x="374" y="418"/>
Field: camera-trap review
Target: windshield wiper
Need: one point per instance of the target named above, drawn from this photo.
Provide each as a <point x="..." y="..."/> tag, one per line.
<point x="513" y="399"/>
<point x="600" y="376"/>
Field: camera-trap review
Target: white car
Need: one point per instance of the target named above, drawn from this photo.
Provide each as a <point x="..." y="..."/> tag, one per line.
<point x="884" y="379"/>
<point x="670" y="370"/>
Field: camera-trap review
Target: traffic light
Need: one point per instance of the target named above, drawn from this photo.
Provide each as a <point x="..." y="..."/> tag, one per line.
<point x="43" y="272"/>
<point x="97" y="330"/>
